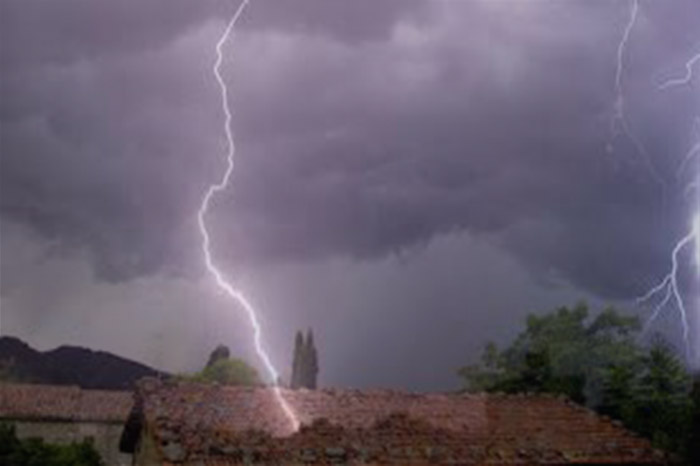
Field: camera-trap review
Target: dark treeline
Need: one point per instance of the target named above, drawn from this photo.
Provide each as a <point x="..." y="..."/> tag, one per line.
<point x="600" y="362"/>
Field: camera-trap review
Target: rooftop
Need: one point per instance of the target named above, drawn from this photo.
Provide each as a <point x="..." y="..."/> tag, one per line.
<point x="228" y="425"/>
<point x="63" y="403"/>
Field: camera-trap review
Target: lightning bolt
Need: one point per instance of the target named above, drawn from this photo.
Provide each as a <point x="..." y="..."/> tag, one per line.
<point x="692" y="153"/>
<point x="619" y="119"/>
<point x="667" y="292"/>
<point x="685" y="79"/>
<point x="669" y="284"/>
<point x="235" y="294"/>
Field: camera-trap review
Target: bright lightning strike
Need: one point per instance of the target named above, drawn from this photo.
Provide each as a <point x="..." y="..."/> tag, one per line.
<point x="215" y="188"/>
<point x="669" y="285"/>
<point x="668" y="291"/>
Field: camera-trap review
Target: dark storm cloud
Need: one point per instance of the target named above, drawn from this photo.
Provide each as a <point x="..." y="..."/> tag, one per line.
<point x="358" y="21"/>
<point x="104" y="108"/>
<point x="45" y="31"/>
<point x="363" y="130"/>
<point x="41" y="31"/>
<point x="484" y="127"/>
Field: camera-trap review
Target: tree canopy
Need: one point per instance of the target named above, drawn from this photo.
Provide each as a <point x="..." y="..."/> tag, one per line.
<point x="35" y="452"/>
<point x="561" y="352"/>
<point x="597" y="361"/>
<point x="226" y="370"/>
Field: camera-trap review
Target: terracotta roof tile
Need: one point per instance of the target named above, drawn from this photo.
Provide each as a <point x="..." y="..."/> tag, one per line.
<point x="51" y="402"/>
<point x="242" y="425"/>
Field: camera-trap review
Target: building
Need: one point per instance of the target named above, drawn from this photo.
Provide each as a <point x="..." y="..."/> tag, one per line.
<point x="189" y="424"/>
<point x="65" y="414"/>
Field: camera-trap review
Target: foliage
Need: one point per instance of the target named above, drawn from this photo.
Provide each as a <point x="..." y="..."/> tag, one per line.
<point x="34" y="452"/>
<point x="559" y="352"/>
<point x="598" y="361"/>
<point x="223" y="369"/>
<point x="221" y="352"/>
<point x="305" y="362"/>
<point x="692" y="450"/>
<point x="660" y="402"/>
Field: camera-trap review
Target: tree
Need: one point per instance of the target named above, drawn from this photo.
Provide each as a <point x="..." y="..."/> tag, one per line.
<point x="297" y="361"/>
<point x="598" y="361"/>
<point x="311" y="362"/>
<point x="304" y="362"/>
<point x="617" y="399"/>
<point x="538" y="376"/>
<point x="693" y="452"/>
<point x="232" y="371"/>
<point x="35" y="452"/>
<point x="223" y="369"/>
<point x="221" y="352"/>
<point x="663" y="406"/>
<point x="560" y="352"/>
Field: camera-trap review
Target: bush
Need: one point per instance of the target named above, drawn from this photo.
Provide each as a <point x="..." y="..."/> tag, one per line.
<point x="231" y="371"/>
<point x="35" y="452"/>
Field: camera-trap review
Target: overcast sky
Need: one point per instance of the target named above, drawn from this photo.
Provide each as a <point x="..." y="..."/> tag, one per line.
<point x="412" y="177"/>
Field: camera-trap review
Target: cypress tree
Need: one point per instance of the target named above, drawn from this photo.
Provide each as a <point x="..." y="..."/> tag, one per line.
<point x="304" y="362"/>
<point x="310" y="362"/>
<point x="297" y="362"/>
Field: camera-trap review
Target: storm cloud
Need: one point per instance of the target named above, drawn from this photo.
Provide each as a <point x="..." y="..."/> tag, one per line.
<point x="365" y="131"/>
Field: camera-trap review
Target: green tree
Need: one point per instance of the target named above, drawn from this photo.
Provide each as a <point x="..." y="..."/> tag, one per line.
<point x="221" y="352"/>
<point x="225" y="370"/>
<point x="538" y="375"/>
<point x="693" y="440"/>
<point x="232" y="371"/>
<point x="599" y="361"/>
<point x="663" y="406"/>
<point x="562" y="352"/>
<point x="619" y="386"/>
<point x="35" y="452"/>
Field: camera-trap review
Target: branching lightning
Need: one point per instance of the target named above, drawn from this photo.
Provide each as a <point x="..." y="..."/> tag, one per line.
<point x="221" y="185"/>
<point x="669" y="284"/>
<point x="619" y="120"/>
<point x="685" y="79"/>
<point x="668" y="289"/>
<point x="692" y="153"/>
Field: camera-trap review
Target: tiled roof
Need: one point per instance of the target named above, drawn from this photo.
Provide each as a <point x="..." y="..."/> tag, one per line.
<point x="193" y="422"/>
<point x="66" y="403"/>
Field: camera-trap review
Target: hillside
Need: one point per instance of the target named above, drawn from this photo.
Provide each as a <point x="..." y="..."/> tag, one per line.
<point x="69" y="365"/>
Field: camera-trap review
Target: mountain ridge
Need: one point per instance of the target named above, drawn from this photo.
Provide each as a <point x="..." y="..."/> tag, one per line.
<point x="69" y="365"/>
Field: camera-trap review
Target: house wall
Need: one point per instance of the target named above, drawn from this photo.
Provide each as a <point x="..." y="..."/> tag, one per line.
<point x="146" y="452"/>
<point x="105" y="436"/>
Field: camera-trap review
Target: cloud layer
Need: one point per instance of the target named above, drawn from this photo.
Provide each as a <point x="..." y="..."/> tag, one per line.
<point x="364" y="130"/>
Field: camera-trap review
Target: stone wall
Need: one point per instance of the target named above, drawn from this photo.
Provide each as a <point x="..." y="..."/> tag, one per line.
<point x="146" y="453"/>
<point x="105" y="436"/>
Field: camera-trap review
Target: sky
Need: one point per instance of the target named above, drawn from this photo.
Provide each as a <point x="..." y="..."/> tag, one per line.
<point x="412" y="178"/>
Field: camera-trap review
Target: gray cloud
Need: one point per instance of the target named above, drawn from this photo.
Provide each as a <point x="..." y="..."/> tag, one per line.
<point x="407" y="320"/>
<point x="363" y="130"/>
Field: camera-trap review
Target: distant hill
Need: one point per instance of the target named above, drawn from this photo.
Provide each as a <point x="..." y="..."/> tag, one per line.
<point x="69" y="365"/>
